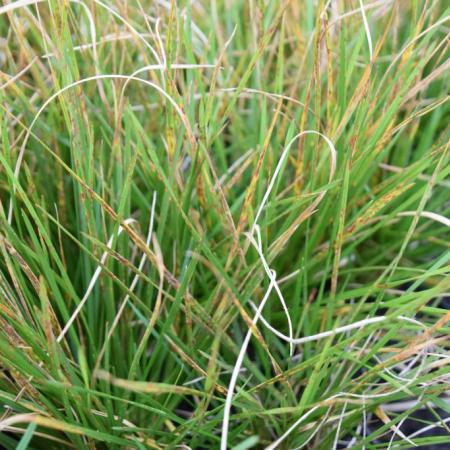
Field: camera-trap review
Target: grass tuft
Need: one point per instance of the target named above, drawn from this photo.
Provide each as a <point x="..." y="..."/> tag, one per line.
<point x="224" y="224"/>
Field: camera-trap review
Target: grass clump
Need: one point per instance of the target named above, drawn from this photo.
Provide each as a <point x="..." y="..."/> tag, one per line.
<point x="224" y="224"/>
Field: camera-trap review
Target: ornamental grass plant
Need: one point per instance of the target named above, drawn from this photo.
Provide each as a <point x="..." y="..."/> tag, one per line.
<point x="224" y="224"/>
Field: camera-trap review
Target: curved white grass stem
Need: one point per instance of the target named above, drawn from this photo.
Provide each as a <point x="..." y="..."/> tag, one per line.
<point x="161" y="67"/>
<point x="333" y="155"/>
<point x="237" y="368"/>
<point x="366" y="28"/>
<point x="352" y="326"/>
<point x="272" y="277"/>
<point x="255" y="227"/>
<point x="428" y="214"/>
<point x="77" y="83"/>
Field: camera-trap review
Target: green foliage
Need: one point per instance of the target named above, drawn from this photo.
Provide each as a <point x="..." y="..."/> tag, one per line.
<point x="138" y="141"/>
